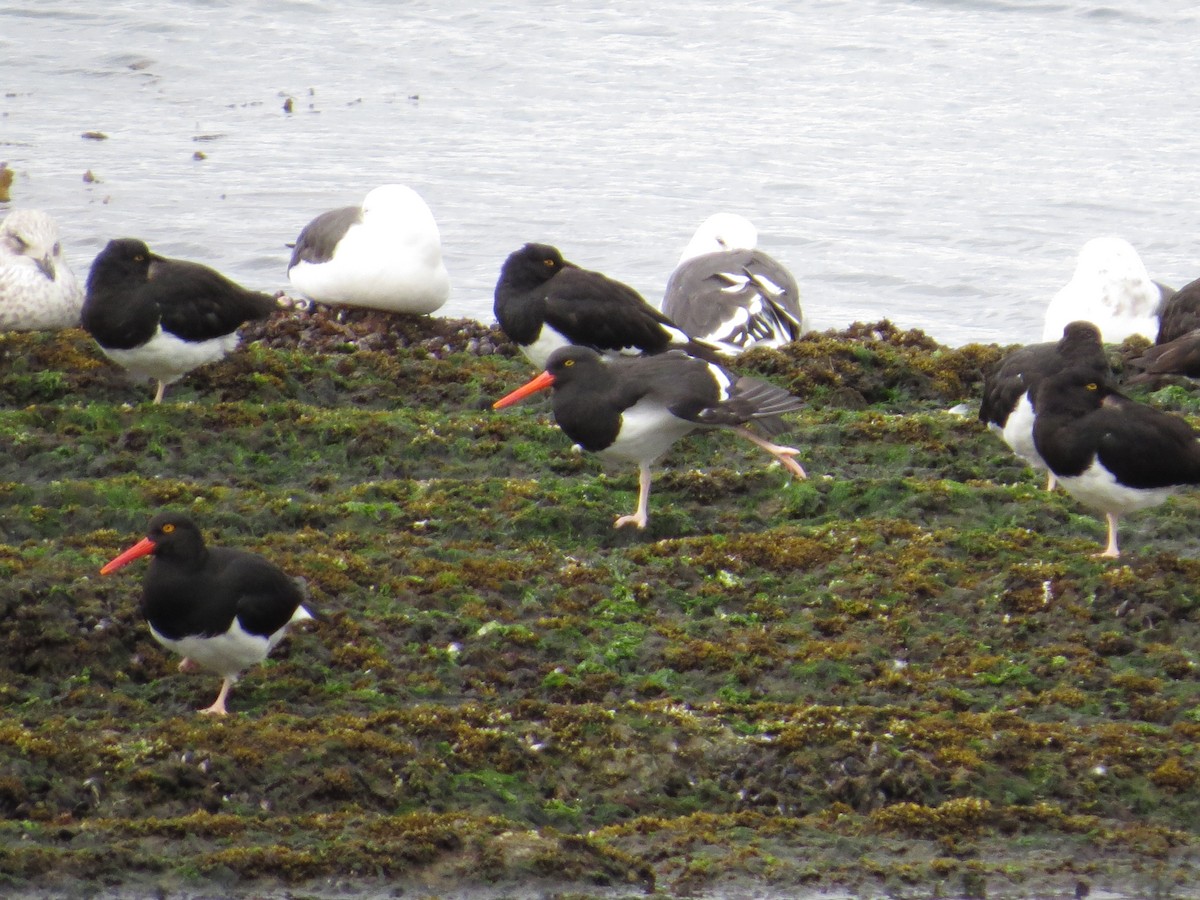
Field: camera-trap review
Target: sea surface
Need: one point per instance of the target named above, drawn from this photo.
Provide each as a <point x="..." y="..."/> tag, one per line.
<point x="939" y="164"/>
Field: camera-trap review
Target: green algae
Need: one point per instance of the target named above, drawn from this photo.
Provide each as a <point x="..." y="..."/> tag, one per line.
<point x="903" y="674"/>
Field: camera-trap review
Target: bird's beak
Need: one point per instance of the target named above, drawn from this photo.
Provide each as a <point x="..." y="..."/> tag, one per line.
<point x="138" y="550"/>
<point x="540" y="383"/>
<point x="46" y="264"/>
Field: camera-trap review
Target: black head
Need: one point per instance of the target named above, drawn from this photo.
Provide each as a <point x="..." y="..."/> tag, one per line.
<point x="1080" y="334"/>
<point x="532" y="265"/>
<point x="122" y="261"/>
<point x="170" y="536"/>
<point x="1076" y="391"/>
<point x="568" y="363"/>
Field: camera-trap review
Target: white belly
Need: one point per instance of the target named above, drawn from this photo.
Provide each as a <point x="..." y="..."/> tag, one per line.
<point x="167" y="358"/>
<point x="1097" y="488"/>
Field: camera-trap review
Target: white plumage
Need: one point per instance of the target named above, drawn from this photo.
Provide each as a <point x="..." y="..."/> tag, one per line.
<point x="38" y="290"/>
<point x="386" y="254"/>
<point x="1111" y="289"/>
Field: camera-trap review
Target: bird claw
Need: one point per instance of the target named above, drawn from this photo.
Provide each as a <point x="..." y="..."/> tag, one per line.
<point x="635" y="519"/>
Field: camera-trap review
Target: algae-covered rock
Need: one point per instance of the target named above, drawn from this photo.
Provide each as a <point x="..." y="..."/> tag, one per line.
<point x="905" y="675"/>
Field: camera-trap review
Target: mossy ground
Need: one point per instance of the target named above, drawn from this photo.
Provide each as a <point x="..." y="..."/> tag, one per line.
<point x="906" y="675"/>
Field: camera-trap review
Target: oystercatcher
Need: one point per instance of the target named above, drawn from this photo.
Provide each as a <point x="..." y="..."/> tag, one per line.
<point x="543" y="302"/>
<point x="1180" y="313"/>
<point x="161" y="317"/>
<point x="632" y="409"/>
<point x="1009" y="390"/>
<point x="385" y="254"/>
<point x="38" y="290"/>
<point x="1176" y="350"/>
<point x="223" y="610"/>
<point x="1112" y="290"/>
<point x="1110" y="452"/>
<point x="727" y="292"/>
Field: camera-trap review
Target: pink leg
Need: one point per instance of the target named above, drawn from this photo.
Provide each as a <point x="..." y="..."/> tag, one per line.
<point x="641" y="515"/>
<point x="218" y="706"/>
<point x="783" y="454"/>
<point x="1111" y="551"/>
<point x="189" y="665"/>
<point x="162" y="389"/>
<point x="1051" y="482"/>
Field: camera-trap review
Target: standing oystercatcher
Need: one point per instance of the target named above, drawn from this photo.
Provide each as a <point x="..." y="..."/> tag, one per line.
<point x="1109" y="452"/>
<point x="543" y="302"/>
<point x="38" y="290"/>
<point x="385" y="254"/>
<point x="160" y="317"/>
<point x="1111" y="289"/>
<point x="633" y="409"/>
<point x="1009" y="390"/>
<point x="727" y="292"/>
<point x="223" y="610"/>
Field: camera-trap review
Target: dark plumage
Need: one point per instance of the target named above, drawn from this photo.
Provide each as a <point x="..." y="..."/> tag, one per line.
<point x="1010" y="389"/>
<point x="543" y="302"/>
<point x="634" y="408"/>
<point x="161" y="317"/>
<point x="1176" y="350"/>
<point x="1110" y="452"/>
<point x="222" y="609"/>
<point x="1180" y="313"/>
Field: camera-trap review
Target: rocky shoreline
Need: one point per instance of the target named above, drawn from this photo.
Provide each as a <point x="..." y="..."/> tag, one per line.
<point x="905" y="676"/>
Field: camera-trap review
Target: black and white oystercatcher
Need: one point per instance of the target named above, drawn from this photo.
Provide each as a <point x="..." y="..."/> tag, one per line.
<point x="726" y="291"/>
<point x="385" y="254"/>
<point x="633" y="409"/>
<point x="543" y="302"/>
<point x="1009" y="390"/>
<point x="223" y="610"/>
<point x="160" y="317"/>
<point x="1110" y="452"/>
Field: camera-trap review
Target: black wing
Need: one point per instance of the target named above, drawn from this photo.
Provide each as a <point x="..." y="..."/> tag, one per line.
<point x="266" y="596"/>
<point x="198" y="303"/>
<point x="594" y="310"/>
<point x="1145" y="447"/>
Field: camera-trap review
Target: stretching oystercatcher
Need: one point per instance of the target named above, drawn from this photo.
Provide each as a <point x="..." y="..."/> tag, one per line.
<point x="543" y="302"/>
<point x="727" y="292"/>
<point x="160" y="317"/>
<point x="385" y="254"/>
<point x="1110" y="452"/>
<point x="1009" y="390"/>
<point x="223" y="610"/>
<point x="633" y="409"/>
<point x="38" y="290"/>
<point x="1111" y="289"/>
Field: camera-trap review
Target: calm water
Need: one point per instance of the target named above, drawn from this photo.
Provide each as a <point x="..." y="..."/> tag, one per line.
<point x="936" y="163"/>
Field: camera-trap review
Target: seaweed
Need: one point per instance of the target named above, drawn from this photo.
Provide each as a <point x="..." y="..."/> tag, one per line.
<point x="904" y="674"/>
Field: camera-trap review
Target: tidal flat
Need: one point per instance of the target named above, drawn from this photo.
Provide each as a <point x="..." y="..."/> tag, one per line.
<point x="905" y="676"/>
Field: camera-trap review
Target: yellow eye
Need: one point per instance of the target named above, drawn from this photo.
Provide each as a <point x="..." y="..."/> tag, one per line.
<point x="168" y="528"/>
<point x="1092" y="386"/>
<point x="139" y="258"/>
<point x="549" y="262"/>
<point x="567" y="363"/>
